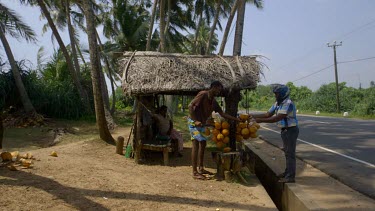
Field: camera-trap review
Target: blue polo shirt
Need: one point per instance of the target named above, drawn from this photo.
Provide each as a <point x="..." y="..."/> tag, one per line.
<point x="286" y="107"/>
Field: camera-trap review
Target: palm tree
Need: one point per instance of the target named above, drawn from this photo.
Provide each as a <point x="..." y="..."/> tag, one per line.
<point x="151" y="26"/>
<point x="213" y="27"/>
<point x="10" y="23"/>
<point x="240" y="23"/>
<point x="238" y="6"/>
<point x="72" y="38"/>
<point x="234" y="97"/>
<point x="162" y="25"/>
<point x="95" y="74"/>
<point x="202" y="41"/>
<point x="45" y="11"/>
<point x="227" y="27"/>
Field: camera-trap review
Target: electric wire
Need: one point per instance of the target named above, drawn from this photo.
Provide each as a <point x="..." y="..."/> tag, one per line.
<point x="341" y="37"/>
<point x="324" y="68"/>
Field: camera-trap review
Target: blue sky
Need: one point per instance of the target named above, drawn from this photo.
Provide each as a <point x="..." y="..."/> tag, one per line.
<point x="292" y="34"/>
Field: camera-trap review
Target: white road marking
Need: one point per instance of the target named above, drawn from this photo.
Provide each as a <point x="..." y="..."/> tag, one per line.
<point x="329" y="150"/>
<point x="317" y="121"/>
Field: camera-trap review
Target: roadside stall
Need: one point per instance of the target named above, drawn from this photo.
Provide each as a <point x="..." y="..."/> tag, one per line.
<point x="148" y="75"/>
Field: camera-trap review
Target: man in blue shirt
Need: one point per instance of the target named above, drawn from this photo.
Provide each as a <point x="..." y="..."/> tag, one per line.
<point x="283" y="112"/>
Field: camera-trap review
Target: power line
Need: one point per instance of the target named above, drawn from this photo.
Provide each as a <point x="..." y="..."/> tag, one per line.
<point x="314" y="73"/>
<point x="341" y="37"/>
<point x="356" y="60"/>
<point x="354" y="30"/>
<point x="343" y="62"/>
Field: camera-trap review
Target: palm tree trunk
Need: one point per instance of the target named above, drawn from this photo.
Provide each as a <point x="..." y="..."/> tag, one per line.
<point x="227" y="27"/>
<point x="196" y="50"/>
<point x="151" y="27"/>
<point x="104" y="84"/>
<point x="231" y="108"/>
<point x="112" y="110"/>
<point x="213" y="28"/>
<point x="162" y="25"/>
<point x="239" y="28"/>
<point x="1" y="131"/>
<point x="80" y="53"/>
<point x="108" y="116"/>
<point x="95" y="74"/>
<point x="83" y="95"/>
<point x="168" y="17"/>
<point x="27" y="105"/>
<point x="72" y="39"/>
<point x="233" y="98"/>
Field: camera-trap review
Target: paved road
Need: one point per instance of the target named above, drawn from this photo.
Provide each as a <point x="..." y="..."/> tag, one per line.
<point x="342" y="148"/>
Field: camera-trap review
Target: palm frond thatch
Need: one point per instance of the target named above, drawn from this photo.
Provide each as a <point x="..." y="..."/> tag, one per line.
<point x="148" y="73"/>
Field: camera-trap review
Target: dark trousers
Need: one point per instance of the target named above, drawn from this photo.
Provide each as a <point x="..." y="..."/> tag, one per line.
<point x="289" y="137"/>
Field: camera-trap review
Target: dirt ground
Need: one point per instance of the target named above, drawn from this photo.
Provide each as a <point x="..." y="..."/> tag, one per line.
<point x="88" y="175"/>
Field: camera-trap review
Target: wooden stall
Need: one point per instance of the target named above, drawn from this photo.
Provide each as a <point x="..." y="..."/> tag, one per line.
<point x="147" y="75"/>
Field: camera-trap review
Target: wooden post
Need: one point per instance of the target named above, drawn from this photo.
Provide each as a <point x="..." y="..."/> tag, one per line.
<point x="231" y="107"/>
<point x="166" y="156"/>
<point x="137" y="141"/>
<point x="120" y="145"/>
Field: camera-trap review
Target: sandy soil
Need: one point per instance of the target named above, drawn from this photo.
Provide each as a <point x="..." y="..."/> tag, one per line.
<point x="88" y="175"/>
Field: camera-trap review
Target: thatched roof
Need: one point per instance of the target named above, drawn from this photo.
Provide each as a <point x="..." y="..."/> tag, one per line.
<point x="146" y="73"/>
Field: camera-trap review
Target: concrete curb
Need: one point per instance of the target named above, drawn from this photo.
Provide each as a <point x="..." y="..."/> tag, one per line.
<point x="287" y="196"/>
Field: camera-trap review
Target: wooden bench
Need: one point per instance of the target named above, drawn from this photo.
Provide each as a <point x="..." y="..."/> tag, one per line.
<point x="161" y="145"/>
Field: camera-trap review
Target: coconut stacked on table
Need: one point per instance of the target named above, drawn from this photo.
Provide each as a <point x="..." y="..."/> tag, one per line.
<point x="246" y="129"/>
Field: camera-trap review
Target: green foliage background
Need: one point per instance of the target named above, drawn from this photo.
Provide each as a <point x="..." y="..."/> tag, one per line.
<point x="358" y="102"/>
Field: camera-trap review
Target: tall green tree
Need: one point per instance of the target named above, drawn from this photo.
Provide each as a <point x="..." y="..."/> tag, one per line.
<point x="11" y="24"/>
<point x="151" y="26"/>
<point x="240" y="24"/>
<point x="227" y="27"/>
<point x="46" y="13"/>
<point x="213" y="27"/>
<point x="201" y="41"/>
<point x="95" y="73"/>
<point x="238" y="7"/>
<point x="203" y="10"/>
<point x="234" y="97"/>
<point x="162" y="25"/>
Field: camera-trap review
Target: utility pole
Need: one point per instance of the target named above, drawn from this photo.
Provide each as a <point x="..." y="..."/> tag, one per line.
<point x="334" y="45"/>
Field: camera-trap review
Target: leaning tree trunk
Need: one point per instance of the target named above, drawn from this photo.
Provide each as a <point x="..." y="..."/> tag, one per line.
<point x="83" y="95"/>
<point x="108" y="116"/>
<point x="227" y="27"/>
<point x="106" y="101"/>
<point x="27" y="105"/>
<point x="195" y="46"/>
<point x="80" y="53"/>
<point x="213" y="28"/>
<point x="162" y="26"/>
<point x="239" y="29"/>
<point x="151" y="27"/>
<point x="168" y="17"/>
<point x="95" y="74"/>
<point x="72" y="39"/>
<point x="234" y="97"/>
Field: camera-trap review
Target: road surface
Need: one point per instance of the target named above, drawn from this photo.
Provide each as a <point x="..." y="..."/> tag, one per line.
<point x="341" y="147"/>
